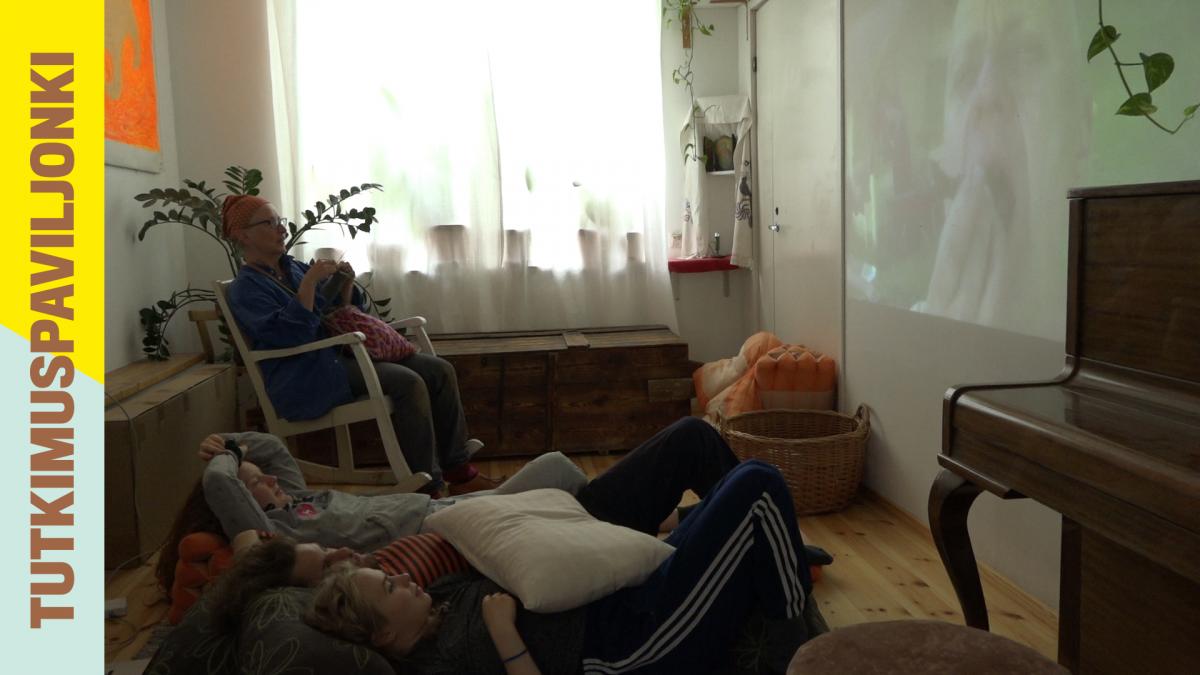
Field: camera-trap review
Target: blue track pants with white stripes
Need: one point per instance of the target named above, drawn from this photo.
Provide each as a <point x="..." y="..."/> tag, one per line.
<point x="740" y="549"/>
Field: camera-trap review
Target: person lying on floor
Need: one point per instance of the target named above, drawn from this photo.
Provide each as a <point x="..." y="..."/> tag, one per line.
<point x="264" y="490"/>
<point x="739" y="551"/>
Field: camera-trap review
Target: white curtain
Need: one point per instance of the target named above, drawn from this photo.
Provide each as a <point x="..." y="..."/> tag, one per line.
<point x="519" y="146"/>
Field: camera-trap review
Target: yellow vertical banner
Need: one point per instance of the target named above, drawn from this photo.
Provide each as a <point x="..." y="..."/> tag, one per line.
<point x="52" y="473"/>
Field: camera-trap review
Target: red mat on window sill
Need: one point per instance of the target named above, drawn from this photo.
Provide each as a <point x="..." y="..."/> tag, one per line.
<point x="693" y="265"/>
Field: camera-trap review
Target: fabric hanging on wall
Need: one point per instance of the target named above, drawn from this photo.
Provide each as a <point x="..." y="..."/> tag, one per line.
<point x="743" y="213"/>
<point x="722" y="116"/>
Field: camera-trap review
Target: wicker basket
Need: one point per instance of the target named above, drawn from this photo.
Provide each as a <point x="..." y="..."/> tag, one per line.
<point x="820" y="453"/>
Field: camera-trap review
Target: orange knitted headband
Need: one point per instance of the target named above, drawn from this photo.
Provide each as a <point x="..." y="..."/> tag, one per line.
<point x="236" y="212"/>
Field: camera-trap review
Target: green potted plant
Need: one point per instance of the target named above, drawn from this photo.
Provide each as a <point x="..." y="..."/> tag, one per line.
<point x="683" y="11"/>
<point x="1156" y="69"/>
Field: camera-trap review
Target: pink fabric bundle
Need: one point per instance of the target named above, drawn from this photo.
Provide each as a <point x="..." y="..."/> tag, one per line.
<point x="382" y="341"/>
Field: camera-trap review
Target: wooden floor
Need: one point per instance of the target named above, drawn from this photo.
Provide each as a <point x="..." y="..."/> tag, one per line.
<point x="885" y="568"/>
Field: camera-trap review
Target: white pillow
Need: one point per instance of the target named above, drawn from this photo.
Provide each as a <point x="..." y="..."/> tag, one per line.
<point x="543" y="547"/>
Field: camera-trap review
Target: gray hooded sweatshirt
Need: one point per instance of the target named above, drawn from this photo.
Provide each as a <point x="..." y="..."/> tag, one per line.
<point x="333" y="518"/>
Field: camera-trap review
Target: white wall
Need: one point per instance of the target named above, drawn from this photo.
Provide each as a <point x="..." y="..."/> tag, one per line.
<point x="745" y="72"/>
<point x="713" y="325"/>
<point x="140" y="273"/>
<point x="220" y="69"/>
<point x="900" y="363"/>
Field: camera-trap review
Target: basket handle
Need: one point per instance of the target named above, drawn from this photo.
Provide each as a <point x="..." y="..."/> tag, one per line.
<point x="863" y="415"/>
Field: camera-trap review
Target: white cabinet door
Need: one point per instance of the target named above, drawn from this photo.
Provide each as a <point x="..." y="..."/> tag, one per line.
<point x="798" y="48"/>
<point x="764" y="217"/>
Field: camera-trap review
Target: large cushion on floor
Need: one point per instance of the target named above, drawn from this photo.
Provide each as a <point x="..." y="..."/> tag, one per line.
<point x="543" y="547"/>
<point x="918" y="647"/>
<point x="273" y="639"/>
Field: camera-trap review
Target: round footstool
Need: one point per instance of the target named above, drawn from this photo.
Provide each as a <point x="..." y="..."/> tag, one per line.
<point x="917" y="648"/>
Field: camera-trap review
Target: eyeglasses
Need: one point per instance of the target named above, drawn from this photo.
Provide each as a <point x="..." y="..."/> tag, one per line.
<point x="278" y="221"/>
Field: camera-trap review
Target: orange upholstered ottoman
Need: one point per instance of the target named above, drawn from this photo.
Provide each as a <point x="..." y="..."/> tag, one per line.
<point x="917" y="648"/>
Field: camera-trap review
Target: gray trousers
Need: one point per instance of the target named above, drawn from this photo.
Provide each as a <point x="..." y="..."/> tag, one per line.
<point x="427" y="413"/>
<point x="550" y="470"/>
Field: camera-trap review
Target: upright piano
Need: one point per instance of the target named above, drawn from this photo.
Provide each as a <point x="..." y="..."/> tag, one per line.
<point x="1112" y="443"/>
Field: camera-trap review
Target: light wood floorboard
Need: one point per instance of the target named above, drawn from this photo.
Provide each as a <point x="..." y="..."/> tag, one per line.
<point x="885" y="568"/>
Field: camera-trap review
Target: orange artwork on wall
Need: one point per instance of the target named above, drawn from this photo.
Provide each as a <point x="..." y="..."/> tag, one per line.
<point x="130" y="98"/>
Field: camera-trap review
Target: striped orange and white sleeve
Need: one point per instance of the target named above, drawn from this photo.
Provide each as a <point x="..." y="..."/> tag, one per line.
<point x="424" y="557"/>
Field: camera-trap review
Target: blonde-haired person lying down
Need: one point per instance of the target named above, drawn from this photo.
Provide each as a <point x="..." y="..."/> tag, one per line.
<point x="265" y="561"/>
<point x="739" y="551"/>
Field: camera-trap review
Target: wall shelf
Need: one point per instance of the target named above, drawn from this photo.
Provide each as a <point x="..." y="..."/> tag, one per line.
<point x="698" y="266"/>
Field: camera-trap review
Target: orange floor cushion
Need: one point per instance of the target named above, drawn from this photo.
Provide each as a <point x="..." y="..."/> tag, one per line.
<point x="203" y="556"/>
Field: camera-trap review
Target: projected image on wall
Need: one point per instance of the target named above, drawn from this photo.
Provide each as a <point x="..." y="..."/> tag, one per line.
<point x="960" y="148"/>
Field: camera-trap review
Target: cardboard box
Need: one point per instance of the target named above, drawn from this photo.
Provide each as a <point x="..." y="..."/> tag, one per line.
<point x="150" y="461"/>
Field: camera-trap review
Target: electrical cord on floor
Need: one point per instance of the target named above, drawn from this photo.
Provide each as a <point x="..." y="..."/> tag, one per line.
<point x="109" y="648"/>
<point x="135" y="630"/>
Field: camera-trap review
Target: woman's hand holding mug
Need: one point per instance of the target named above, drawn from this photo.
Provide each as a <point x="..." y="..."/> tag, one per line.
<point x="320" y="271"/>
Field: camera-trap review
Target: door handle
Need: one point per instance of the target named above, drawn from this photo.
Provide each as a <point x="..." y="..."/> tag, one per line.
<point x="774" y="227"/>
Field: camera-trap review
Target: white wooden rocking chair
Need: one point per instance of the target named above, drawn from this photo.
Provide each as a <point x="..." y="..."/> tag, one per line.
<point x="375" y="406"/>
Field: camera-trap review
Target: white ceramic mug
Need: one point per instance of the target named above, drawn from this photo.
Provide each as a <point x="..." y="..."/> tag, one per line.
<point x="328" y="253"/>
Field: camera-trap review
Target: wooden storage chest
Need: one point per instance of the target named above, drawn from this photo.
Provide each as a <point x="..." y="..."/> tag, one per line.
<point x="574" y="391"/>
<point x="531" y="392"/>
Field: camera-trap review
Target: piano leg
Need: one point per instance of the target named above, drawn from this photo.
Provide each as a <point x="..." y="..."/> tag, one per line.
<point x="950" y="500"/>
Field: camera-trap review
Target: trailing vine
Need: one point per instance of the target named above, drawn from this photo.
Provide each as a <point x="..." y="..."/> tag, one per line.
<point x="684" y="12"/>
<point x="1156" y="69"/>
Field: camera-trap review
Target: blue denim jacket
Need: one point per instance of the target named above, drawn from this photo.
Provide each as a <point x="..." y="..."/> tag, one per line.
<point x="303" y="386"/>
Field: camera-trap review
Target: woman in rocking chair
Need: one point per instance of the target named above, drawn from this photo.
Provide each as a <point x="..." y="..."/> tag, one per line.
<point x="279" y="301"/>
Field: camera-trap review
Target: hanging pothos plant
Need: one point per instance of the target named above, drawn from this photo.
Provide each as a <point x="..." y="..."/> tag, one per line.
<point x="683" y="11"/>
<point x="199" y="206"/>
<point x="1156" y="69"/>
